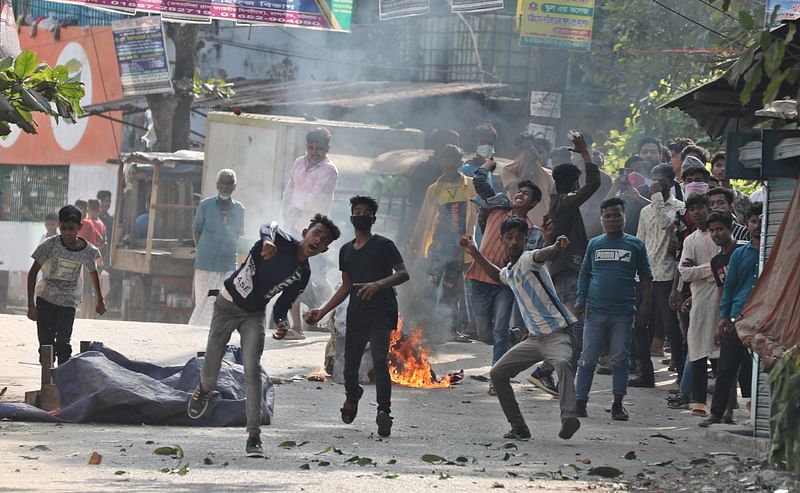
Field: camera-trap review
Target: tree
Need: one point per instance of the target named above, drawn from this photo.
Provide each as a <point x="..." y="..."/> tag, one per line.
<point x="28" y="86"/>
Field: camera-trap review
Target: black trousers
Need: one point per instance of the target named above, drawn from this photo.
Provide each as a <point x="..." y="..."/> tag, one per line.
<point x="733" y="356"/>
<point x="54" y="327"/>
<point x="700" y="381"/>
<point x="375" y="330"/>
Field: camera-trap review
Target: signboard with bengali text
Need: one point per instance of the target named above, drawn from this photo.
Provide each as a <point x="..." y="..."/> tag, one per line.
<point x="557" y="24"/>
<point x="330" y="15"/>
<point x="141" y="56"/>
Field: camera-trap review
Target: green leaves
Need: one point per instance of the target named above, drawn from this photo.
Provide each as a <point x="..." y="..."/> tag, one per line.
<point x="746" y="20"/>
<point x="28" y="86"/>
<point x="25" y="64"/>
<point x="605" y="471"/>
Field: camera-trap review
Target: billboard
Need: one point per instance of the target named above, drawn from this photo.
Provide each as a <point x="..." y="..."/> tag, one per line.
<point x="142" y="56"/>
<point x="558" y="24"/>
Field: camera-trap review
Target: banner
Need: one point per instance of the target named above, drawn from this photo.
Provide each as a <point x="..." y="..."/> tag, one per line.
<point x="788" y="10"/>
<point x="9" y="39"/>
<point x="141" y="56"/>
<point x="565" y="24"/>
<point x="330" y="15"/>
<point x="394" y="9"/>
<point x="474" y="6"/>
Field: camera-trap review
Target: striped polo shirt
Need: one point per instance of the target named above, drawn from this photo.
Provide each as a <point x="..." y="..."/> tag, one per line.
<point x="542" y="310"/>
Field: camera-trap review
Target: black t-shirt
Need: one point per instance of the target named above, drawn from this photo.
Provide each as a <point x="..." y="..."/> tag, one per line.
<point x="719" y="266"/>
<point x="372" y="262"/>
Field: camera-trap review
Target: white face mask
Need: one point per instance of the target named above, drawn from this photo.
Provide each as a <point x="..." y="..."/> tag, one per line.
<point x="485" y="151"/>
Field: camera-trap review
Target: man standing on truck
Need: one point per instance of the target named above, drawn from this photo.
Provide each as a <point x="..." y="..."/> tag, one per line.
<point x="217" y="226"/>
<point x="312" y="181"/>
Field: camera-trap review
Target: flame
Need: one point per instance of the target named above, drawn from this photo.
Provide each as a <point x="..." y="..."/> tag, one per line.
<point x="408" y="360"/>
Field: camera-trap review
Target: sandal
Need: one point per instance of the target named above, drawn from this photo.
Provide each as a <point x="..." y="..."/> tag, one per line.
<point x="700" y="410"/>
<point x="349" y="411"/>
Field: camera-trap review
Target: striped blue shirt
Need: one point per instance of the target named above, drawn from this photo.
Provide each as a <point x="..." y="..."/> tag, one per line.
<point x="541" y="309"/>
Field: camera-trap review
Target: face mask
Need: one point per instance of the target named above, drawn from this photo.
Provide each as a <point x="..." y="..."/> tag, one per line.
<point x="362" y="223"/>
<point x="696" y="187"/>
<point x="225" y="196"/>
<point x="613" y="225"/>
<point x="485" y="151"/>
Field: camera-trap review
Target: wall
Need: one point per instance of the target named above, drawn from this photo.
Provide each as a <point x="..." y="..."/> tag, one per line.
<point x="85" y="180"/>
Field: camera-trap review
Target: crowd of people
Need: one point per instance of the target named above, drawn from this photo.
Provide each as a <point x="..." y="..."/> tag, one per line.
<point x="560" y="267"/>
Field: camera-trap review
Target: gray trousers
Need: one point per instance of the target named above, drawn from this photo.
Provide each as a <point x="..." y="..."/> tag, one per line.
<point x="251" y="326"/>
<point x="554" y="348"/>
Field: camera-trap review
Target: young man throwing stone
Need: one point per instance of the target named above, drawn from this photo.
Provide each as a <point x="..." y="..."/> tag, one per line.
<point x="371" y="267"/>
<point x="277" y="263"/>
<point x="546" y="318"/>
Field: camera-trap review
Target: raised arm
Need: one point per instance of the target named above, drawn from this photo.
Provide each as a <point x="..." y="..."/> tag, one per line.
<point x="491" y="270"/>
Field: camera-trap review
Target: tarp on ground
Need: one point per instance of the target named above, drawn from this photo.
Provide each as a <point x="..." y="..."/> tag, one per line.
<point x="770" y="322"/>
<point x="103" y="386"/>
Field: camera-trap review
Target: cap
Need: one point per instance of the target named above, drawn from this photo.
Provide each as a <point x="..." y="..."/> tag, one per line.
<point x="691" y="165"/>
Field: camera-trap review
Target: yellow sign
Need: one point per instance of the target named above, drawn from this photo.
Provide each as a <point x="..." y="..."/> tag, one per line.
<point x="557" y="24"/>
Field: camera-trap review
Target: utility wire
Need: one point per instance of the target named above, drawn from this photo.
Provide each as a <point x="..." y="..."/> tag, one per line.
<point x="705" y="2"/>
<point x="690" y="19"/>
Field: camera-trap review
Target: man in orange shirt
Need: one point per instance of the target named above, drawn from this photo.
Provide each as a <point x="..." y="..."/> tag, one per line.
<point x="492" y="303"/>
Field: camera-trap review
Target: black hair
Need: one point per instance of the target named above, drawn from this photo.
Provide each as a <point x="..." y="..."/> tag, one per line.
<point x="695" y="150"/>
<point x="678" y="144"/>
<point x="719" y="155"/>
<point x="440" y="137"/>
<point x="561" y="155"/>
<point x="517" y="223"/>
<point x="450" y="152"/>
<point x="611" y="202"/>
<point x="485" y="132"/>
<point x="633" y="160"/>
<point x="663" y="169"/>
<point x="103" y="194"/>
<point x="698" y="199"/>
<point x="721" y="191"/>
<point x="755" y="209"/>
<point x="93" y="204"/>
<point x="319" y="136"/>
<point x="51" y="216"/>
<point x="565" y="176"/>
<point x="364" y="199"/>
<point x="649" y="140"/>
<point x="82" y="203"/>
<point x="325" y="221"/>
<point x="724" y="218"/>
<point x="536" y="192"/>
<point x="70" y="214"/>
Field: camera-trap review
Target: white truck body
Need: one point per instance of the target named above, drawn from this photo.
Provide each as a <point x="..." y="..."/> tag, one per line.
<point x="262" y="148"/>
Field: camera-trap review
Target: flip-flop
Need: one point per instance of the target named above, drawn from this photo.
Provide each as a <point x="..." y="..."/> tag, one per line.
<point x="349" y="411"/>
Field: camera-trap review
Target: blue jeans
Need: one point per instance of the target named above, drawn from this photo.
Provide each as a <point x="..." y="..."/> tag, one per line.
<point x="491" y="305"/>
<point x="602" y="330"/>
<point x="687" y="377"/>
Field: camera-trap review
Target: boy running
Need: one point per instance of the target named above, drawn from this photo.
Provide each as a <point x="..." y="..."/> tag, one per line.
<point x="60" y="258"/>
<point x="371" y="267"/>
<point x="546" y="318"/>
<point x="277" y="263"/>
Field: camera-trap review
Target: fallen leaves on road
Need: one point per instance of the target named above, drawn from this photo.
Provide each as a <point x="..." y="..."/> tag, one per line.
<point x="630" y="455"/>
<point x="329" y="449"/>
<point x="605" y="471"/>
<point x="289" y="444"/>
<point x="42" y="448"/>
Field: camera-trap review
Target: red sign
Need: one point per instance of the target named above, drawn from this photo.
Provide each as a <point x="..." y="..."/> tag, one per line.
<point x="92" y="140"/>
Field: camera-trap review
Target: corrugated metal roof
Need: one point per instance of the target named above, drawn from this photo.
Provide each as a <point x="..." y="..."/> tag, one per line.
<point x="268" y="94"/>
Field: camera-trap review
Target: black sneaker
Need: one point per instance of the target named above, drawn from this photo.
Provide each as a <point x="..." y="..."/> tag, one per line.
<point x="680" y="401"/>
<point x="253" y="447"/>
<point x="580" y="409"/>
<point x="544" y="381"/>
<point x="710" y="420"/>
<point x="641" y="383"/>
<point x="619" y="413"/>
<point x="568" y="427"/>
<point x="518" y="434"/>
<point x="384" y="422"/>
<point x="199" y="402"/>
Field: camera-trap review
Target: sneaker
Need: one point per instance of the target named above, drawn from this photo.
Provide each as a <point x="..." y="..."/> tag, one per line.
<point x="619" y="413"/>
<point x="680" y="401"/>
<point x="580" y="409"/>
<point x="727" y="418"/>
<point x="518" y="434"/>
<point x="199" y="402"/>
<point x="568" y="427"/>
<point x="492" y="390"/>
<point x="641" y="383"/>
<point x="604" y="370"/>
<point x="711" y="420"/>
<point x="253" y="447"/>
<point x="384" y="422"/>
<point x="543" y="381"/>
